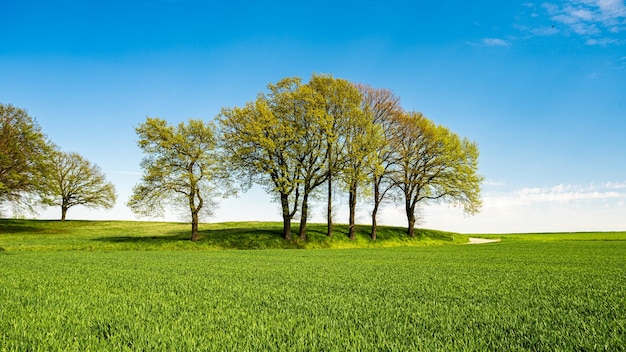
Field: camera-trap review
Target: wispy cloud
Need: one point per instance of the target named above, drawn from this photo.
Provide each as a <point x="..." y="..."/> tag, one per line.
<point x="597" y="21"/>
<point x="562" y="193"/>
<point x="495" y="42"/>
<point x="493" y="183"/>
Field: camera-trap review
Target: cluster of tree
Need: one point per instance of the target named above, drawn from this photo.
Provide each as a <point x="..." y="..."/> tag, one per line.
<point x="298" y="138"/>
<point x="295" y="140"/>
<point x="34" y="171"/>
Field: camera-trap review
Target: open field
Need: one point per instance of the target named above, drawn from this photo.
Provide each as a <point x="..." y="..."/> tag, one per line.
<point x="527" y="292"/>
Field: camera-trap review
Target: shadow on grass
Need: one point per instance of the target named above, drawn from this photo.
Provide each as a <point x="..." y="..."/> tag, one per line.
<point x="226" y="238"/>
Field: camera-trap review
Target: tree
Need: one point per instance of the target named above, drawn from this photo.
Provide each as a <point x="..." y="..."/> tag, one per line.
<point x="260" y="144"/>
<point x="340" y="102"/>
<point x="180" y="169"/>
<point x="382" y="106"/>
<point x="76" y="181"/>
<point x="362" y="140"/>
<point x="278" y="141"/>
<point x="434" y="164"/>
<point x="24" y="150"/>
<point x="314" y="125"/>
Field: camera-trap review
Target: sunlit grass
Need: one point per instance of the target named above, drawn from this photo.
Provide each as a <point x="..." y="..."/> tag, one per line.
<point x="558" y="236"/>
<point x="509" y="296"/>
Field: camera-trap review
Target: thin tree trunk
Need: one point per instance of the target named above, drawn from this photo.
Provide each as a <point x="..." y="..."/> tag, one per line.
<point x="305" y="211"/>
<point x="352" y="205"/>
<point x="329" y="231"/>
<point x="63" y="212"/>
<point x="375" y="210"/>
<point x="284" y="201"/>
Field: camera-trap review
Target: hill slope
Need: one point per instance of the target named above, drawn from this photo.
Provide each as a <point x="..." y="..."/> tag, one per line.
<point x="33" y="235"/>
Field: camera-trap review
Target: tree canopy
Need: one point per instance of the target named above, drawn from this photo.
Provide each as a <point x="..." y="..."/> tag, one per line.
<point x="434" y="164"/>
<point x="24" y="151"/>
<point x="180" y="169"/>
<point x="263" y="143"/>
<point x="298" y="136"/>
<point x="75" y="181"/>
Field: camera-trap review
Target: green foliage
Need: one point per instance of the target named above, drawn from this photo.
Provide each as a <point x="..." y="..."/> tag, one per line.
<point x="434" y="164"/>
<point x="351" y="141"/>
<point x="279" y="142"/>
<point x="296" y="137"/>
<point x="76" y="181"/>
<point x="180" y="169"/>
<point x="517" y="295"/>
<point x="382" y="107"/>
<point x="24" y="150"/>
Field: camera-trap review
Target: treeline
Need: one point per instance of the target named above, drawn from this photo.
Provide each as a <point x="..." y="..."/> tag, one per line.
<point x="297" y="139"/>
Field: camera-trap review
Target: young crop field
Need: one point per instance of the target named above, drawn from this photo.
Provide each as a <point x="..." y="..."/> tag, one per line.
<point x="565" y="292"/>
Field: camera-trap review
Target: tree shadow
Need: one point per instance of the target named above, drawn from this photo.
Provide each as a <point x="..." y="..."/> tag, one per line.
<point x="224" y="238"/>
<point x="18" y="226"/>
<point x="142" y="239"/>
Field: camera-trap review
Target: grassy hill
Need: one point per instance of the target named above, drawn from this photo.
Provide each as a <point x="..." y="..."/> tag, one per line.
<point x="33" y="235"/>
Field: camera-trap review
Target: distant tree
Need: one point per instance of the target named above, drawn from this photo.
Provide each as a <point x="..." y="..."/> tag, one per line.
<point x="24" y="150"/>
<point x="76" y="181"/>
<point x="434" y="164"/>
<point x="382" y="106"/>
<point x="181" y="169"/>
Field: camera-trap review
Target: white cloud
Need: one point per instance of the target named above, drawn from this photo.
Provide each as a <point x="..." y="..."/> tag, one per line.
<point x="557" y="194"/>
<point x="601" y="41"/>
<point x="597" y="21"/>
<point x="494" y="183"/>
<point x="495" y="42"/>
<point x="562" y="207"/>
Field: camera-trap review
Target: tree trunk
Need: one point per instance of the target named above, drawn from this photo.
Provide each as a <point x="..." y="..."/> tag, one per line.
<point x="410" y="215"/>
<point x="194" y="226"/>
<point x="375" y="210"/>
<point x="329" y="231"/>
<point x="284" y="202"/>
<point x="305" y="211"/>
<point x="287" y="228"/>
<point x="63" y="212"/>
<point x="373" y="235"/>
<point x="352" y="205"/>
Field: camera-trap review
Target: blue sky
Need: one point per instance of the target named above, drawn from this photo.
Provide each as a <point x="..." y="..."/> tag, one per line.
<point x="540" y="86"/>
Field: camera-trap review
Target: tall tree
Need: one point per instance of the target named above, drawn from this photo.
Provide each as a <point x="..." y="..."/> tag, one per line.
<point x="181" y="169"/>
<point x="262" y="141"/>
<point x="382" y="106"/>
<point x="76" y="181"/>
<point x="434" y="165"/>
<point x="279" y="141"/>
<point x="363" y="139"/>
<point x="24" y="151"/>
<point x="314" y="125"/>
<point x="340" y="102"/>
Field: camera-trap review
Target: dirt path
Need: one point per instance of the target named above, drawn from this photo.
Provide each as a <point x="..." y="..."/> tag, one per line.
<point x="475" y="240"/>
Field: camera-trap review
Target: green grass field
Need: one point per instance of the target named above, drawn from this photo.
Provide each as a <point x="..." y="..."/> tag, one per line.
<point x="539" y="292"/>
